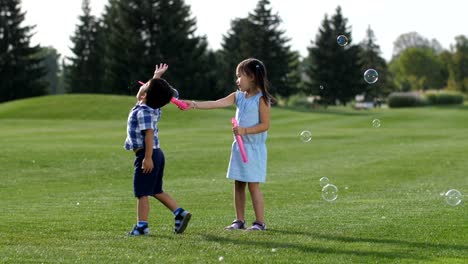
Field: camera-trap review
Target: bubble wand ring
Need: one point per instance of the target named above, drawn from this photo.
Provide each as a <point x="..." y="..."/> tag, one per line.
<point x="239" y="141"/>
<point x="180" y="104"/>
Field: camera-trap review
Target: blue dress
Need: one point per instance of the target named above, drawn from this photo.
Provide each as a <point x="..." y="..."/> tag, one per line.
<point x="248" y="115"/>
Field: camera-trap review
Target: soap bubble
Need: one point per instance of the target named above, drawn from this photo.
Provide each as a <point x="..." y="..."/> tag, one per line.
<point x="453" y="197"/>
<point x="376" y="123"/>
<point x="329" y="192"/>
<point x="324" y="181"/>
<point x="306" y="136"/>
<point x="342" y="40"/>
<point x="371" y="76"/>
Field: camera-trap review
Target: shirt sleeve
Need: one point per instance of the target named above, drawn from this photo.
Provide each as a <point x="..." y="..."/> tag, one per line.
<point x="145" y="120"/>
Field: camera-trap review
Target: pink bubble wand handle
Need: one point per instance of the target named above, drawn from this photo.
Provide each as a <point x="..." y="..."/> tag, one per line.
<point x="180" y="104"/>
<point x="239" y="141"/>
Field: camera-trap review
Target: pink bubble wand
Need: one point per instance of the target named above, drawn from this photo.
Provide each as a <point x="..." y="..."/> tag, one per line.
<point x="180" y="104"/>
<point x="239" y="141"/>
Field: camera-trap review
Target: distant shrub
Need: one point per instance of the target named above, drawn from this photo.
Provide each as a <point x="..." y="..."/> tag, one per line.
<point x="303" y="101"/>
<point x="444" y="98"/>
<point x="409" y="99"/>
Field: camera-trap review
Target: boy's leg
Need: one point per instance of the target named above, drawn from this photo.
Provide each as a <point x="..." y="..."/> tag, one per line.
<point x="143" y="208"/>
<point x="257" y="201"/>
<point x="239" y="199"/>
<point x="167" y="200"/>
<point x="181" y="216"/>
<point x="141" y="228"/>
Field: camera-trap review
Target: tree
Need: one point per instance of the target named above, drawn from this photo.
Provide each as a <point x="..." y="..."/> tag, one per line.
<point x="370" y="59"/>
<point x="21" y="68"/>
<point x="51" y="57"/>
<point x="258" y="35"/>
<point x="458" y="66"/>
<point x="414" y="40"/>
<point x="418" y="69"/>
<point x="335" y="68"/>
<point x="85" y="73"/>
<point x="141" y="34"/>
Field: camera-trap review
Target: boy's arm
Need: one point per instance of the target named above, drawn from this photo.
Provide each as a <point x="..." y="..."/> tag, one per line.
<point x="223" y="102"/>
<point x="147" y="165"/>
<point x="160" y="70"/>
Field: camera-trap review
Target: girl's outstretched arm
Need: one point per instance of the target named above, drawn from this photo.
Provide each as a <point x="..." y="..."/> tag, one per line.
<point x="220" y="103"/>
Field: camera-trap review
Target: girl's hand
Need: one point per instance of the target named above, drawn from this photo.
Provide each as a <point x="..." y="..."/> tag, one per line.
<point x="160" y="70"/>
<point x="190" y="104"/>
<point x="147" y="165"/>
<point x="239" y="130"/>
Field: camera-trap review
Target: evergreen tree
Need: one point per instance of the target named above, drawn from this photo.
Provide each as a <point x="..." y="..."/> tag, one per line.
<point x="370" y="59"/>
<point x="144" y="33"/>
<point x="51" y="57"/>
<point x="117" y="68"/>
<point x="259" y="36"/>
<point x="334" y="70"/>
<point x="21" y="68"/>
<point x="85" y="72"/>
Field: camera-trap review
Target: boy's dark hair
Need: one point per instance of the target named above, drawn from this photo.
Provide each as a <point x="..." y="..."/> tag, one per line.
<point x="158" y="93"/>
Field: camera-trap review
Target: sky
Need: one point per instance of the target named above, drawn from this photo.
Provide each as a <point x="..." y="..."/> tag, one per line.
<point x="56" y="20"/>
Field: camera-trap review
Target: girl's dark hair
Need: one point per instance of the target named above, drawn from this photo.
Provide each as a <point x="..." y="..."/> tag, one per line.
<point x="256" y="68"/>
<point x="158" y="93"/>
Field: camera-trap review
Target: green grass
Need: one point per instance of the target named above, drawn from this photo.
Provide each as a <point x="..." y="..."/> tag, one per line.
<point x="66" y="186"/>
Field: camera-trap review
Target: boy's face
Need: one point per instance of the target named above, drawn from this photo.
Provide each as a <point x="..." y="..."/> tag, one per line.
<point x="142" y="92"/>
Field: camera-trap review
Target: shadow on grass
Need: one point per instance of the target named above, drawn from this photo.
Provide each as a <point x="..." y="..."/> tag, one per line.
<point x="315" y="249"/>
<point x="463" y="248"/>
<point x="419" y="254"/>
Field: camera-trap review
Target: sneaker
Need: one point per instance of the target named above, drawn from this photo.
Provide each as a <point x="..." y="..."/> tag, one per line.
<point x="181" y="221"/>
<point x="139" y="231"/>
<point x="256" y="226"/>
<point x="236" y="224"/>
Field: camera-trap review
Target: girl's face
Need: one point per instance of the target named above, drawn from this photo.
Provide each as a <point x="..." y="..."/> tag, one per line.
<point x="243" y="81"/>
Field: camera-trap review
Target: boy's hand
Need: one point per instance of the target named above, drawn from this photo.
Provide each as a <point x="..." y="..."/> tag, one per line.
<point x="147" y="165"/>
<point x="160" y="70"/>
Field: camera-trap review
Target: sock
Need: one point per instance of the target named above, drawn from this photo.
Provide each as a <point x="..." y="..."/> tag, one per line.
<point x="178" y="210"/>
<point x="142" y="223"/>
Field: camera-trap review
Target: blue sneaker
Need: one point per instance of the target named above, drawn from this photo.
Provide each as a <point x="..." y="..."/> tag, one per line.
<point x="139" y="231"/>
<point x="181" y="221"/>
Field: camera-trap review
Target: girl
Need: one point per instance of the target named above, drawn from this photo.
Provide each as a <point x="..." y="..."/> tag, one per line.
<point x="253" y="116"/>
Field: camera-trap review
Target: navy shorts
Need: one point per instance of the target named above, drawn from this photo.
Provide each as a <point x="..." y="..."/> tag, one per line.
<point x="148" y="184"/>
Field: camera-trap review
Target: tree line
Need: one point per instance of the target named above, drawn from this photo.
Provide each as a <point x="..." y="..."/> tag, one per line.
<point x="112" y="52"/>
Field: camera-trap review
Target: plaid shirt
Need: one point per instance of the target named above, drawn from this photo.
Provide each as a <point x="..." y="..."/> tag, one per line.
<point x="141" y="118"/>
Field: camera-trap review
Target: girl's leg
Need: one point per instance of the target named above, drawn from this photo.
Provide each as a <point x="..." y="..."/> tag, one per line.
<point x="167" y="200"/>
<point x="143" y="208"/>
<point x="239" y="199"/>
<point x="257" y="201"/>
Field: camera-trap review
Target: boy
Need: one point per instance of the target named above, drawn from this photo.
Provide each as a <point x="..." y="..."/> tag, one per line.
<point x="142" y="138"/>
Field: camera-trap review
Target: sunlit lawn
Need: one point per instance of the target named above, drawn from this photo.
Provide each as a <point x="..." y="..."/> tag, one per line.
<point x="66" y="186"/>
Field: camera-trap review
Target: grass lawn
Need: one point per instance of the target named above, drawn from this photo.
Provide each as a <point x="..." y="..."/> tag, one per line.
<point x="67" y="197"/>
